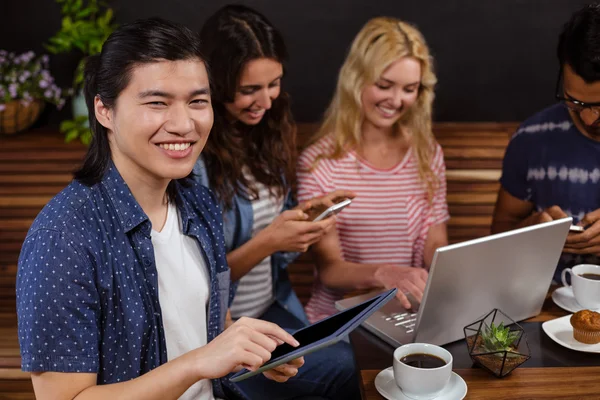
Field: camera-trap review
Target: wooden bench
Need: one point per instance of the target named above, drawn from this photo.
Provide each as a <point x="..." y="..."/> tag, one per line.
<point x="36" y="165"/>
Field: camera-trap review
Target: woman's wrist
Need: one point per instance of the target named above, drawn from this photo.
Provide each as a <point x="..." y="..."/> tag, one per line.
<point x="378" y="275"/>
<point x="266" y="240"/>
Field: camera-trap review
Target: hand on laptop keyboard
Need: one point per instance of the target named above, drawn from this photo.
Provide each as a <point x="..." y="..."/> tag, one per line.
<point x="406" y="279"/>
<point x="404" y="319"/>
<point x="414" y="303"/>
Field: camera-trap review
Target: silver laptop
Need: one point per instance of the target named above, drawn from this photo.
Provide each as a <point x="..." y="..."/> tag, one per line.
<point x="511" y="271"/>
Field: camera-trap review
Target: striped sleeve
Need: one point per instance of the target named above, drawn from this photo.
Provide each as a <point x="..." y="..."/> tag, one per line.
<point x="440" y="212"/>
<point x="310" y="180"/>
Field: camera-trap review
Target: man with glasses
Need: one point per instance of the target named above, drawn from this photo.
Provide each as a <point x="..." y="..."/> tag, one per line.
<point x="551" y="168"/>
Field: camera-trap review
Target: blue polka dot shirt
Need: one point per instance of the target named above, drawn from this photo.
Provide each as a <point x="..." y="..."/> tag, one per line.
<point x="87" y="288"/>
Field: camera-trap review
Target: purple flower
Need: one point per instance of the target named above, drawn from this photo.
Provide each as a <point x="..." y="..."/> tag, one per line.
<point x="48" y="94"/>
<point x="46" y="75"/>
<point x="2" y="107"/>
<point x="12" y="89"/>
<point x="27" y="97"/>
<point x="44" y="84"/>
<point x="24" y="76"/>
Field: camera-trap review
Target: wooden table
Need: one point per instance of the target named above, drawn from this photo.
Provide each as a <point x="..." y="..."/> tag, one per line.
<point x="565" y="382"/>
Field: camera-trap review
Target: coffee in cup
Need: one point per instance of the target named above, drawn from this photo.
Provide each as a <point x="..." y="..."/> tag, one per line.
<point x="423" y="360"/>
<point x="585" y="281"/>
<point x="422" y="370"/>
<point x="594" y="277"/>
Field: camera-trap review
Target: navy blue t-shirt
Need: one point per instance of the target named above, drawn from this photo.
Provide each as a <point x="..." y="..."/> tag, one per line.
<point x="550" y="162"/>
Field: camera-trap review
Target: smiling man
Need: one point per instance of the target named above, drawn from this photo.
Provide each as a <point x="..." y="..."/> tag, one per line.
<point x="552" y="164"/>
<point x="123" y="282"/>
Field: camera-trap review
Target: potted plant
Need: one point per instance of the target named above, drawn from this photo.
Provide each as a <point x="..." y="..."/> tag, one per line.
<point x="26" y="85"/>
<point x="497" y="347"/>
<point x="86" y="24"/>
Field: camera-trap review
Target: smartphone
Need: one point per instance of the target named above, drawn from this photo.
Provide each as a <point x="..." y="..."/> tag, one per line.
<point x="322" y="212"/>
<point x="576" y="228"/>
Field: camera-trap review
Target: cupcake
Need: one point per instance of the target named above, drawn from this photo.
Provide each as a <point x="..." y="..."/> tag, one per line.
<point x="586" y="326"/>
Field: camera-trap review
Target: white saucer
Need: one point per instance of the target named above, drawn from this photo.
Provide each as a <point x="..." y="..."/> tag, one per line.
<point x="386" y="386"/>
<point x="565" y="299"/>
<point x="561" y="331"/>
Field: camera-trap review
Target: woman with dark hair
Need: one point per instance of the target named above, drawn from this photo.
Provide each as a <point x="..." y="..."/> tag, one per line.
<point x="123" y="282"/>
<point x="249" y="162"/>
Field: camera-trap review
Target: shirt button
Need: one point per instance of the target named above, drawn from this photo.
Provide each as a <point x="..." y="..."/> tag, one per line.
<point x="146" y="261"/>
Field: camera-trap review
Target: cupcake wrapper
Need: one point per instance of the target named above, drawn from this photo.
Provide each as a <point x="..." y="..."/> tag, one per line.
<point x="587" y="337"/>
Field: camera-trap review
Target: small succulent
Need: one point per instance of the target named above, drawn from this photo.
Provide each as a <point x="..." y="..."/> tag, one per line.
<point x="498" y="338"/>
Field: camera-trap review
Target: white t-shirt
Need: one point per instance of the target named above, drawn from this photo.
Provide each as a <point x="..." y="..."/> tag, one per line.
<point x="183" y="292"/>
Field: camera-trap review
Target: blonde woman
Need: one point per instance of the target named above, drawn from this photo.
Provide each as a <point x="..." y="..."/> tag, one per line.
<point x="376" y="141"/>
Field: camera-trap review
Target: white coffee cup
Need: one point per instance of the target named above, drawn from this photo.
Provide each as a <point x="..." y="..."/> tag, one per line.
<point x="586" y="291"/>
<point x="421" y="383"/>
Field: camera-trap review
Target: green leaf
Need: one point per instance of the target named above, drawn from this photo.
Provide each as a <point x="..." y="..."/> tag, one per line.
<point x="71" y="135"/>
<point x="81" y="120"/>
<point x="86" y="137"/>
<point x="107" y="17"/>
<point x="83" y="13"/>
<point x="67" y="23"/>
<point x="67" y="125"/>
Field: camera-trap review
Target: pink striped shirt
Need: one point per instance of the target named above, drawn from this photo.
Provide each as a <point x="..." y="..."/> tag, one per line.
<point x="387" y="222"/>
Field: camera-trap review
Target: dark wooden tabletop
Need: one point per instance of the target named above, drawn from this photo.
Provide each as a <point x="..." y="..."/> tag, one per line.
<point x="553" y="372"/>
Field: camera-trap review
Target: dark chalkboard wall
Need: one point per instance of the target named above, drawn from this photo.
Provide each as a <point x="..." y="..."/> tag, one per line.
<point x="495" y="59"/>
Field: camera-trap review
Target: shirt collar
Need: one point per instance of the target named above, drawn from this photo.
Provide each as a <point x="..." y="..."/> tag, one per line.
<point x="128" y="210"/>
<point x="185" y="211"/>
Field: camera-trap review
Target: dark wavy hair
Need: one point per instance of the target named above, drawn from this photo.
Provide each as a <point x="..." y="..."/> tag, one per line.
<point x="579" y="43"/>
<point x="107" y="74"/>
<point x="230" y="38"/>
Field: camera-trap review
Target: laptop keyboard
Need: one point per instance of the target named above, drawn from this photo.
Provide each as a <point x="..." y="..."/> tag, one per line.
<point x="402" y="320"/>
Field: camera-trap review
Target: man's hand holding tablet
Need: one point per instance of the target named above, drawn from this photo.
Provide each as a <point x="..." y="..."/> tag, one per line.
<point x="248" y="343"/>
<point x="319" y="335"/>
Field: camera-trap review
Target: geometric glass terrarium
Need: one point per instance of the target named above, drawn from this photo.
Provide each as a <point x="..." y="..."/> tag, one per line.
<point x="497" y="343"/>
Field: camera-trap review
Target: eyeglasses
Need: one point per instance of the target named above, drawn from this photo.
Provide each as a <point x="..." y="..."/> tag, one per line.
<point x="573" y="104"/>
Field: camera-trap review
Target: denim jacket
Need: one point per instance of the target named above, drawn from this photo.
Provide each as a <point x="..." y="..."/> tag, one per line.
<point x="237" y="226"/>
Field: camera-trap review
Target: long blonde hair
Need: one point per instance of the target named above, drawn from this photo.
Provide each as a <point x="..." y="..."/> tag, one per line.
<point x="381" y="42"/>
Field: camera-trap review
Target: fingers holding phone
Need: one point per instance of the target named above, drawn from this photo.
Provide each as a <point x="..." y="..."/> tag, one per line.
<point x="321" y="212"/>
<point x="293" y="231"/>
<point x="587" y="241"/>
<point x="327" y="200"/>
<point x="547" y="215"/>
